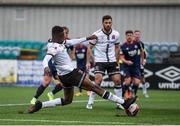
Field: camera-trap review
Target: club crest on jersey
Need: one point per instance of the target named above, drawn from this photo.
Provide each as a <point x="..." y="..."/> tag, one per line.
<point x="113" y="37"/>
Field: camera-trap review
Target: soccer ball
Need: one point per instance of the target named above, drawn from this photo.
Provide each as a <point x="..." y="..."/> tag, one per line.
<point x="132" y="110"/>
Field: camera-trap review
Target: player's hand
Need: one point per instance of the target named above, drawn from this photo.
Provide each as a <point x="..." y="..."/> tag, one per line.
<point x="128" y="62"/>
<point x="47" y="72"/>
<point x="92" y="37"/>
<point x="57" y="78"/>
<point x="88" y="66"/>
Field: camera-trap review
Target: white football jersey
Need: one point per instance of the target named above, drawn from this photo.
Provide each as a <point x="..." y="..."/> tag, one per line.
<point x="61" y="58"/>
<point x="49" y="44"/>
<point x="104" y="46"/>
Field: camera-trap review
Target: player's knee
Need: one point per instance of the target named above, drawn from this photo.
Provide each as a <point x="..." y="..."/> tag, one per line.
<point x="136" y="82"/>
<point x="98" y="80"/>
<point x="117" y="82"/>
<point x="47" y="81"/>
<point x="143" y="81"/>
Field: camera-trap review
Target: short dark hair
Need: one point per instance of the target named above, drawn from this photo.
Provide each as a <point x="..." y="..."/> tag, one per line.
<point x="106" y="17"/>
<point x="57" y="30"/>
<point x="137" y="31"/>
<point x="65" y="28"/>
<point x="129" y="31"/>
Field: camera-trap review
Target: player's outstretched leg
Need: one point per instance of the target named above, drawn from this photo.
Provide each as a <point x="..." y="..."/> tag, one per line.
<point x="117" y="88"/>
<point x="68" y="97"/>
<point x="41" y="88"/>
<point x="36" y="107"/>
<point x="98" y="80"/>
<point x="39" y="92"/>
<point x="88" y="85"/>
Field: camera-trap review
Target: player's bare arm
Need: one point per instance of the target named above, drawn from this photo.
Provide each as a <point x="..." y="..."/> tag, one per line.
<point x="46" y="59"/>
<point x="80" y="40"/>
<point x="128" y="62"/>
<point x="89" y="54"/>
<point x="117" y="50"/>
<point x="142" y="56"/>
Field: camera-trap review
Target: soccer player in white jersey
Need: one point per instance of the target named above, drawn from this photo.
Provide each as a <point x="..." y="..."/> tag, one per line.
<point x="106" y="57"/>
<point x="47" y="79"/>
<point x="69" y="75"/>
<point x="70" y="50"/>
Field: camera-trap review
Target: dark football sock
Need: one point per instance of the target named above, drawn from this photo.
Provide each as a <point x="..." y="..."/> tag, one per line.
<point x="135" y="88"/>
<point x="125" y="88"/>
<point x="57" y="88"/>
<point x="39" y="91"/>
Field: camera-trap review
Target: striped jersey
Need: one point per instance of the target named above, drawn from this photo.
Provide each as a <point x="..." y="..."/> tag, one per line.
<point x="104" y="46"/>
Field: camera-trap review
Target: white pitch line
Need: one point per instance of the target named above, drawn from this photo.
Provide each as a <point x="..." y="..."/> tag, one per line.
<point x="76" y="101"/>
<point x="69" y="122"/>
<point x="24" y="104"/>
<point x="6" y="105"/>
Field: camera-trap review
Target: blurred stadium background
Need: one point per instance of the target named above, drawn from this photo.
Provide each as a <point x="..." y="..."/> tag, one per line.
<point x="25" y="27"/>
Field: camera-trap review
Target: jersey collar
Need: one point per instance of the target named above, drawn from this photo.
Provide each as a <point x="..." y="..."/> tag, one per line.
<point x="107" y="33"/>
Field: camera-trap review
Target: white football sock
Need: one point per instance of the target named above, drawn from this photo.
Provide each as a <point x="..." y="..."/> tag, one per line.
<point x="115" y="98"/>
<point x="144" y="88"/>
<point x="118" y="92"/>
<point x="91" y="97"/>
<point x="51" y="103"/>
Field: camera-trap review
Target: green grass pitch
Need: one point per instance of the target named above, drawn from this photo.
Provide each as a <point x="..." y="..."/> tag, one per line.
<point x="162" y="107"/>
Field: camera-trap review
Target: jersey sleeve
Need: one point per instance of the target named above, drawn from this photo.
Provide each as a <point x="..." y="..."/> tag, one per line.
<point x="145" y="53"/>
<point x="93" y="42"/>
<point x="144" y="49"/>
<point x="117" y="39"/>
<point x="52" y="50"/>
<point x="141" y="46"/>
<point x="74" y="41"/>
<point x="46" y="60"/>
